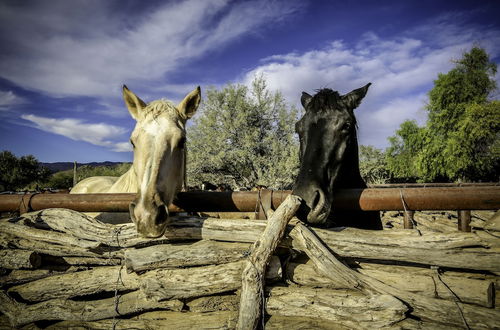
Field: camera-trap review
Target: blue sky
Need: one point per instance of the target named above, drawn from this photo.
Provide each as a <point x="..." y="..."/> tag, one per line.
<point x="62" y="63"/>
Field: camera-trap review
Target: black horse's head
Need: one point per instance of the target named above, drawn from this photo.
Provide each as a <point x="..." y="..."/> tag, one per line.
<point x="328" y="150"/>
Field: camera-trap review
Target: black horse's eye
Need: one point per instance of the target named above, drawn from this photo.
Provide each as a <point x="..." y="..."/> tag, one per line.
<point x="182" y="142"/>
<point x="347" y="127"/>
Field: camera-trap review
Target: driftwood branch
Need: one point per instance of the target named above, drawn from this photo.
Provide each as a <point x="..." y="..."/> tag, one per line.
<point x="252" y="291"/>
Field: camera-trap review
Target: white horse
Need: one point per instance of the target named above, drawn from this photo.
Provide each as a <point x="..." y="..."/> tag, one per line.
<point x="157" y="173"/>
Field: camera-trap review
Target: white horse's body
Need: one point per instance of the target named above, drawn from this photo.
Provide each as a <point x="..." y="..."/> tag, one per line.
<point x="157" y="173"/>
<point x="127" y="183"/>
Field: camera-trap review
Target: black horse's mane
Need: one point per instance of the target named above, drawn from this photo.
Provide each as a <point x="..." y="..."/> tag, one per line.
<point x="326" y="98"/>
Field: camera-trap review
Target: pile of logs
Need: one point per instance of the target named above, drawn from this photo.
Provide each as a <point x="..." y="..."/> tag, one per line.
<point x="62" y="269"/>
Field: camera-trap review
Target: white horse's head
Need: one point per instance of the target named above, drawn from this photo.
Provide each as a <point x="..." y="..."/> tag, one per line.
<point x="158" y="140"/>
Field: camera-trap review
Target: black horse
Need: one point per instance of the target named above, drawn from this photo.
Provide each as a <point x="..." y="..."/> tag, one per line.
<point x="329" y="159"/>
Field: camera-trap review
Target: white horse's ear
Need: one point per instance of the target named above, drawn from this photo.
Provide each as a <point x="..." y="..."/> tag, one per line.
<point x="353" y="98"/>
<point x="133" y="102"/>
<point x="189" y="105"/>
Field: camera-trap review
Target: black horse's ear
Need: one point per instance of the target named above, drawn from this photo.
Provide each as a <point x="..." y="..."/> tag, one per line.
<point x="353" y="99"/>
<point x="305" y="99"/>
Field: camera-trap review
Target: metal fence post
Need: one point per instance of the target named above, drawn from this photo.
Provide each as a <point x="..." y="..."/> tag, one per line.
<point x="464" y="220"/>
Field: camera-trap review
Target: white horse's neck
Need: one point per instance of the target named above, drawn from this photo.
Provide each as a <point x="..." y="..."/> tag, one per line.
<point x="127" y="183"/>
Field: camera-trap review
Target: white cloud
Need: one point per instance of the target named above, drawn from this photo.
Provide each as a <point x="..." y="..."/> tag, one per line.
<point x="91" y="47"/>
<point x="98" y="134"/>
<point x="402" y="70"/>
<point x="9" y="99"/>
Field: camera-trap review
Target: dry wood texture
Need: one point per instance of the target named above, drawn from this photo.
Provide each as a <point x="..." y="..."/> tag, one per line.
<point x="348" y="308"/>
<point x="183" y="255"/>
<point x="423" y="281"/>
<point x="252" y="290"/>
<point x="63" y="265"/>
<point x="163" y="320"/>
<point x="18" y="259"/>
<point x="454" y="250"/>
<point x="158" y="284"/>
<point x="66" y="309"/>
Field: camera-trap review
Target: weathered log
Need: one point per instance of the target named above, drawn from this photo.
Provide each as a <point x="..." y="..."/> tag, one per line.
<point x="436" y="310"/>
<point x="100" y="279"/>
<point x="230" y="302"/>
<point x="454" y="250"/>
<point x="80" y="261"/>
<point x="159" y="284"/>
<point x="159" y="320"/>
<point x="82" y="226"/>
<point x="17" y="259"/>
<point x="337" y="308"/>
<point x="23" y="276"/>
<point x="184" y="255"/>
<point x="228" y="215"/>
<point x="163" y="284"/>
<point x="417" y="280"/>
<point x="301" y="323"/>
<point x="46" y="236"/>
<point x="493" y="223"/>
<point x="323" y="259"/>
<point x="70" y="310"/>
<point x="428" y="221"/>
<point x="348" y="308"/>
<point x="23" y="241"/>
<point x="252" y="290"/>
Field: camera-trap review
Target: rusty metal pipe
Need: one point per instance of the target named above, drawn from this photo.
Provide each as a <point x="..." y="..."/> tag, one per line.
<point x="370" y="199"/>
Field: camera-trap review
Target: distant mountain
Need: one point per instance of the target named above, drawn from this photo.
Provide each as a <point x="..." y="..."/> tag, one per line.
<point x="64" y="166"/>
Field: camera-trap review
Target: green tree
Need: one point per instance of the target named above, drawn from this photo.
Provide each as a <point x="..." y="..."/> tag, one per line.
<point x="16" y="173"/>
<point x="463" y="123"/>
<point x="243" y="137"/>
<point x="474" y="146"/>
<point x="402" y="154"/>
<point x="87" y="171"/>
<point x="460" y="139"/>
<point x="60" y="180"/>
<point x="471" y="81"/>
<point x="373" y="165"/>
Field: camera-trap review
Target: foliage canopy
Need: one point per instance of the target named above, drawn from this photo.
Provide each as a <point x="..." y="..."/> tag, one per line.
<point x="460" y="141"/>
<point x="16" y="173"/>
<point x="243" y="137"/>
<point x="373" y="165"/>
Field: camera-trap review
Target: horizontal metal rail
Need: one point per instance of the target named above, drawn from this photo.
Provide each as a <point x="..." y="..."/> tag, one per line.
<point x="437" y="184"/>
<point x="370" y="199"/>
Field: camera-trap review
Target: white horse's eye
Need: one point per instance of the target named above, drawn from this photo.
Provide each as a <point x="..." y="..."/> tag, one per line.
<point x="132" y="143"/>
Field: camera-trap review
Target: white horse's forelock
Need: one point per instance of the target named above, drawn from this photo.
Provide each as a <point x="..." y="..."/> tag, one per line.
<point x="161" y="107"/>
